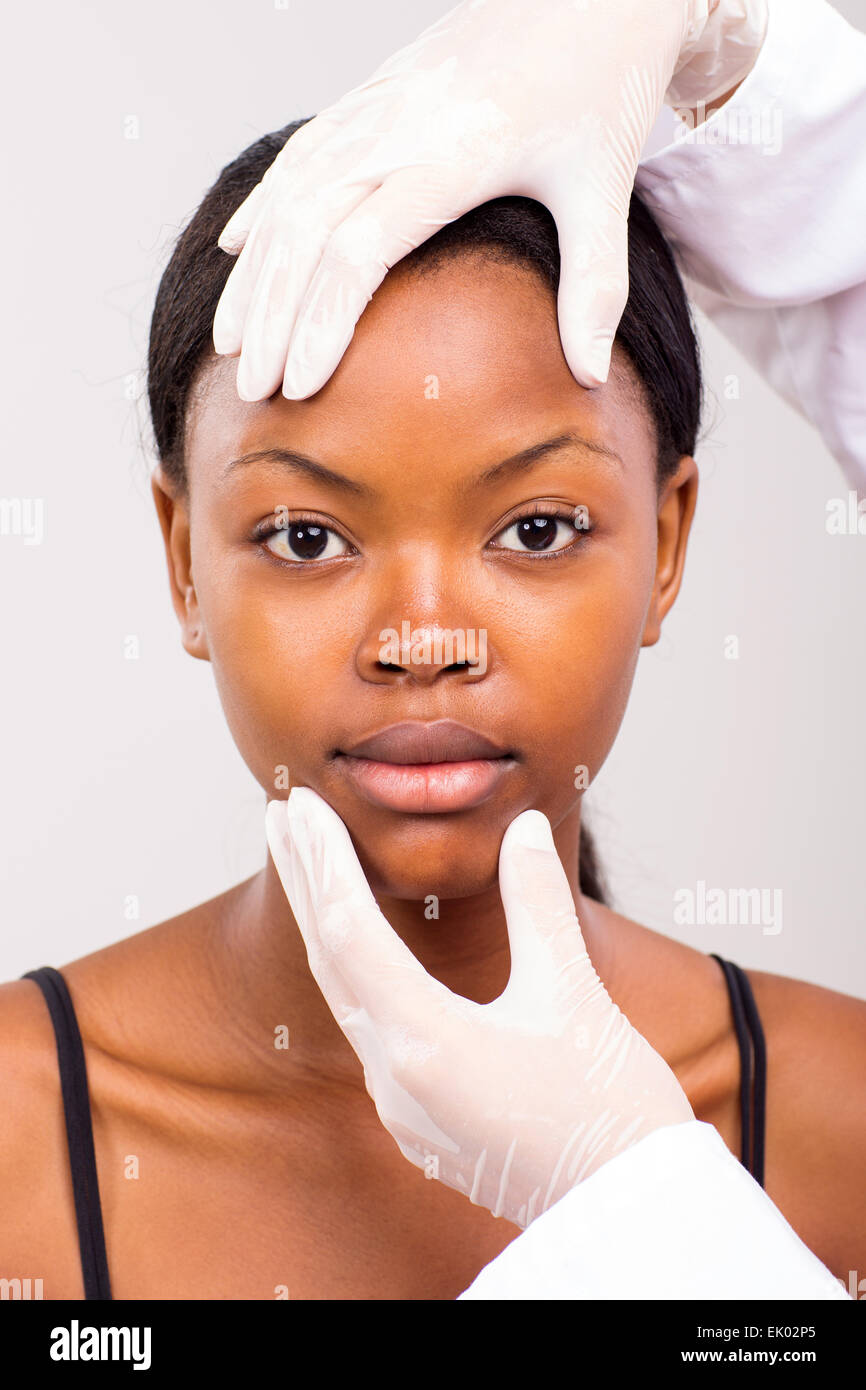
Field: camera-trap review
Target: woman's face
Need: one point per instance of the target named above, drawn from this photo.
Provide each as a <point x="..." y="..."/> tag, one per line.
<point x="316" y="636"/>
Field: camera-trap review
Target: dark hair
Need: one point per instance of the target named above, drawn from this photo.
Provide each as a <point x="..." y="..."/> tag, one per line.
<point x="656" y="329"/>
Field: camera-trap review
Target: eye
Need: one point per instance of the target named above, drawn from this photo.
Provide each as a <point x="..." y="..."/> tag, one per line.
<point x="548" y="529"/>
<point x="301" y="540"/>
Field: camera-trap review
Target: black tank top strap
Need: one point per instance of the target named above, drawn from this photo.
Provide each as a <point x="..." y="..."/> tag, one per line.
<point x="759" y="1112"/>
<point x="79" y="1130"/>
<point x="753" y="1067"/>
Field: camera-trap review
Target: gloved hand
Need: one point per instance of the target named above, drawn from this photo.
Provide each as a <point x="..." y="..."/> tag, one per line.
<point x="512" y="1102"/>
<point x="554" y="104"/>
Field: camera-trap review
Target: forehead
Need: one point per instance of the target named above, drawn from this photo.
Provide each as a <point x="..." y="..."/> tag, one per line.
<point x="464" y="357"/>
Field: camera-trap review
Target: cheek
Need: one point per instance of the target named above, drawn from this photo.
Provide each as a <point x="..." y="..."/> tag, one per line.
<point x="277" y="659"/>
<point x="574" y="656"/>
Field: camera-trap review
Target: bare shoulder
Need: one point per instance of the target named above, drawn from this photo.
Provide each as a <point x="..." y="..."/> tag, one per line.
<point x="28" y="1073"/>
<point x="814" y="1015"/>
<point x="816" y="1044"/>
<point x="37" y="1208"/>
<point x="37" y="1215"/>
<point x="816" y="1114"/>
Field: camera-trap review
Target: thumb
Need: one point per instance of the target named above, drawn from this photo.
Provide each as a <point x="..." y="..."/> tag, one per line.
<point x="548" y="952"/>
<point x="593" y="281"/>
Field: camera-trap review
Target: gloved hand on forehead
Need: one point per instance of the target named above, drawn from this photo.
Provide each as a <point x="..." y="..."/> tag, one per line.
<point x="513" y="1102"/>
<point x="552" y="101"/>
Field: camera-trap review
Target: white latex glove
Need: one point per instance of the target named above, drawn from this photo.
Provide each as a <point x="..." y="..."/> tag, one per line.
<point x="553" y="101"/>
<point x="512" y="1102"/>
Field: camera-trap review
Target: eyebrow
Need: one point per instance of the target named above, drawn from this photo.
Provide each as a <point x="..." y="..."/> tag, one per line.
<point x="524" y="459"/>
<point x="299" y="463"/>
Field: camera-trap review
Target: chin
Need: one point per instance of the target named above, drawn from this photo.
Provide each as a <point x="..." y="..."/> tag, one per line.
<point x="416" y="876"/>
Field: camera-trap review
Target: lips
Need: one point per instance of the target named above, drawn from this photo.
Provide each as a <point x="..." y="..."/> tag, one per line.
<point x="444" y="741"/>
<point x="426" y="768"/>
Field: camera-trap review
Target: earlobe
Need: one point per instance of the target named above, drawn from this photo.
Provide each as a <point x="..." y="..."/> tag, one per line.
<point x="675" y="512"/>
<point x="195" y="644"/>
<point x="171" y="509"/>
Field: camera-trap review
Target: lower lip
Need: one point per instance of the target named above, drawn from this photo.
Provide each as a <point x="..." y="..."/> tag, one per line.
<point x="426" y="787"/>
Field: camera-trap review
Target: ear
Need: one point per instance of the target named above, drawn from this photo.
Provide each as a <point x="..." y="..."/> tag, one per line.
<point x="173" y="512"/>
<point x="676" y="509"/>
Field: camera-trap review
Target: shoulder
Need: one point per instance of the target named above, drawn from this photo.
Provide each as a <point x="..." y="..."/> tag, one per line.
<point x="816" y="1114"/>
<point x="37" y="1213"/>
<point x="816" y="1046"/>
<point x="117" y="995"/>
<point x="28" y="1064"/>
<point x="814" y="1014"/>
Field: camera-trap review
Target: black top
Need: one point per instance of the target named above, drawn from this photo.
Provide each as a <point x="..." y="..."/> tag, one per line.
<point x="79" y="1129"/>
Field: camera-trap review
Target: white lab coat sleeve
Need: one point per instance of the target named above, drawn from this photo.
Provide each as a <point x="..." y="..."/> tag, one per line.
<point x="764" y="205"/>
<point x="676" y="1216"/>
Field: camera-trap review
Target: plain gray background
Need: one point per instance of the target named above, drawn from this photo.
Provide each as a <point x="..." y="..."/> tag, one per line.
<point x="124" y="798"/>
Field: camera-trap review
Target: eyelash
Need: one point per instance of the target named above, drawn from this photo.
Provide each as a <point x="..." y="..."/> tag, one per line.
<point x="265" y="529"/>
<point x="556" y="512"/>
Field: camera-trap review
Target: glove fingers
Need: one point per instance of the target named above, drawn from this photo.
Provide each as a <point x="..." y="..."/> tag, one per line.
<point x="272" y="300"/>
<point x="282" y="280"/>
<point x="377" y="233"/>
<point x="288" y="174"/>
<point x="593" y="283"/>
<point x="239" y="225"/>
<point x="231" y="311"/>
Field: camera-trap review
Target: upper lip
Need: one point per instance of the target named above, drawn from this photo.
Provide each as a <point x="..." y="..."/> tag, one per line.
<point x="444" y="741"/>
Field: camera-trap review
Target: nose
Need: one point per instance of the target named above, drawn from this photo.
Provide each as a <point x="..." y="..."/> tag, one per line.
<point x="420" y="626"/>
<point x="429" y="652"/>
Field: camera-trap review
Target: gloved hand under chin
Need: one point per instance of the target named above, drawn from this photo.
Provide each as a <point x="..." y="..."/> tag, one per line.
<point x="511" y="1102"/>
<point x="552" y="101"/>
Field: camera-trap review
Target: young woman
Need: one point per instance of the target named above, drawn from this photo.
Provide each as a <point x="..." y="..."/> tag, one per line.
<point x="435" y="479"/>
